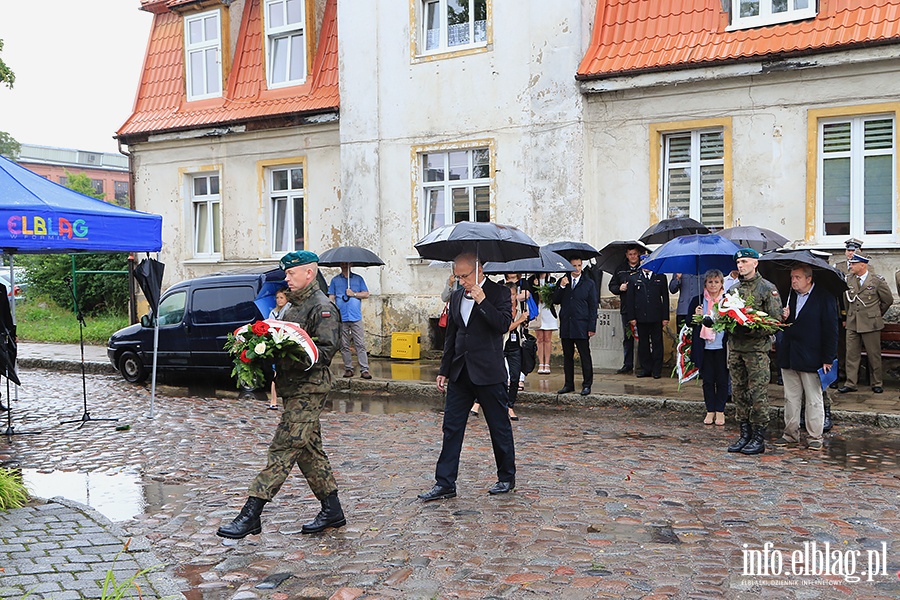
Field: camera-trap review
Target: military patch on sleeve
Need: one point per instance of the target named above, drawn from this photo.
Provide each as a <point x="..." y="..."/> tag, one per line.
<point x="326" y="314"/>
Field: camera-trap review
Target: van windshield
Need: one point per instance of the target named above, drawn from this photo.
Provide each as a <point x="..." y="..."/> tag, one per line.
<point x="171" y="309"/>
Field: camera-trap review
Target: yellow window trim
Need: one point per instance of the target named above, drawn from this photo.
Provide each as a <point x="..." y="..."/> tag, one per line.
<point x="262" y="194"/>
<point x="657" y="130"/>
<point x="415" y="171"/>
<point x="812" y="150"/>
<point x="416" y="57"/>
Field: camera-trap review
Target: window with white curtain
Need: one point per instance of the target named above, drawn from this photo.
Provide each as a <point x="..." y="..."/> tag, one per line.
<point x="693" y="176"/>
<point x="285" y="22"/>
<point x="203" y="51"/>
<point x="857" y="176"/>
<point x="759" y="13"/>
<point x="451" y="24"/>
<point x="286" y="197"/>
<point x="207" y="225"/>
<point x="456" y="186"/>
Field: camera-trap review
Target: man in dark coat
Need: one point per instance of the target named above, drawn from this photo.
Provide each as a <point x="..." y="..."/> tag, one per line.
<point x="809" y="344"/>
<point x="7" y="339"/>
<point x="577" y="325"/>
<point x="647" y="309"/>
<point x="472" y="370"/>
<point x="618" y="285"/>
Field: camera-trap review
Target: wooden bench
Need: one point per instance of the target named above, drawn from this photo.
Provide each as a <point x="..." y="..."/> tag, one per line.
<point x="890" y="347"/>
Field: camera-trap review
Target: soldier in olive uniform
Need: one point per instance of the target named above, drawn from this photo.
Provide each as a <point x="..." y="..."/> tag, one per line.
<point x="298" y="438"/>
<point x="748" y="356"/>
<point x="868" y="298"/>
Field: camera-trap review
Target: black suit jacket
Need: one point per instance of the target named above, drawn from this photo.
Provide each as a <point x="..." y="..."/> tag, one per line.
<point x="577" y="308"/>
<point x="647" y="298"/>
<point x="811" y="340"/>
<point x="479" y="345"/>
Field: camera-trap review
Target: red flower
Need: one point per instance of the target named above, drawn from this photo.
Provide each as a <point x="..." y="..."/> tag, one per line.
<point x="260" y="328"/>
<point x="244" y="356"/>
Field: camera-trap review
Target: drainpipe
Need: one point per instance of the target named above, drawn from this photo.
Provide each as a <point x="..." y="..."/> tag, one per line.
<point x="132" y="291"/>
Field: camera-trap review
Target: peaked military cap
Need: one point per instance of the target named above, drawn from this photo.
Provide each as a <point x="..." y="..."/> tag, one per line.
<point x="746" y="253"/>
<point x="858" y="258"/>
<point x="295" y="259"/>
<point x="853" y="244"/>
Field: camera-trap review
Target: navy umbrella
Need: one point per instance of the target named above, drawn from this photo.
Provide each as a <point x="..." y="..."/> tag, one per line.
<point x="547" y="262"/>
<point x="669" y="229"/>
<point x="758" y="238"/>
<point x="488" y="241"/>
<point x="694" y="254"/>
<point x="570" y="250"/>
<point x="613" y="254"/>
<point x="776" y="267"/>
<point x="359" y="257"/>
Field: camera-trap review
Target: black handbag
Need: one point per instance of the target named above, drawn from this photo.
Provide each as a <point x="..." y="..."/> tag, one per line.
<point x="529" y="352"/>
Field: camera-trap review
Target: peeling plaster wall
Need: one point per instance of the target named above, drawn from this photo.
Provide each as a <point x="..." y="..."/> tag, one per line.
<point x="160" y="169"/>
<point x="520" y="95"/>
<point x="769" y="141"/>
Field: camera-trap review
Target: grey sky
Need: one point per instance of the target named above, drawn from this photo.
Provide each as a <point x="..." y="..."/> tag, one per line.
<point x="77" y="66"/>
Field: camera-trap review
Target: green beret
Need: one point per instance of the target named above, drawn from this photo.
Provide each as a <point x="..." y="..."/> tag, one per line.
<point x="746" y="253"/>
<point x="295" y="259"/>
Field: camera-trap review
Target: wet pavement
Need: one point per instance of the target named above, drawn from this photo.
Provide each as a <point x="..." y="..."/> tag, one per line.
<point x="624" y="499"/>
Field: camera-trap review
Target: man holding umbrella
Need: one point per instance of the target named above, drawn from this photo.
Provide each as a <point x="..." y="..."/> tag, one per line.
<point x="347" y="290"/>
<point x="748" y="356"/>
<point x="618" y="285"/>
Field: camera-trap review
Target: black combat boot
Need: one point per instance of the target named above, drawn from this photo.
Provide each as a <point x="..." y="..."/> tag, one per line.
<point x="827" y="424"/>
<point x="247" y="522"/>
<point x="757" y="445"/>
<point x="331" y="515"/>
<point x="746" y="433"/>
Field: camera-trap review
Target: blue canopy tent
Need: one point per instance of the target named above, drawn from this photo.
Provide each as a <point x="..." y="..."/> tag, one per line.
<point x="38" y="216"/>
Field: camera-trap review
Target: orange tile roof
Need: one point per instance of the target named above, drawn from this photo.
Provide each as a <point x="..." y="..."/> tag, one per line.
<point x="161" y="104"/>
<point x="633" y="36"/>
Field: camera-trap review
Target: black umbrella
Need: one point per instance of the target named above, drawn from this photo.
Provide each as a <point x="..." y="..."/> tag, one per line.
<point x="613" y="254"/>
<point x="488" y="241"/>
<point x="570" y="250"/>
<point x="669" y="229"/>
<point x="149" y="275"/>
<point x="359" y="257"/>
<point x="547" y="262"/>
<point x="776" y="267"/>
<point x="758" y="238"/>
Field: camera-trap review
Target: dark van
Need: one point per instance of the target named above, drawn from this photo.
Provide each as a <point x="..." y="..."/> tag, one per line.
<point x="195" y="317"/>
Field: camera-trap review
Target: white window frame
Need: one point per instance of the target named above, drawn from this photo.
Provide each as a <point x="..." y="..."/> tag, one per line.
<point x="287" y="32"/>
<point x="857" y="155"/>
<point x="206" y="213"/>
<point x="695" y="165"/>
<point x="447" y="185"/>
<point x="289" y="196"/>
<point x="767" y="17"/>
<point x="203" y="48"/>
<point x="443" y="45"/>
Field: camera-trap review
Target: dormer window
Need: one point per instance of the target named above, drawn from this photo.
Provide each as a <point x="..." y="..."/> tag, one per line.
<point x="759" y="13"/>
<point x="285" y="22"/>
<point x="203" y="51"/>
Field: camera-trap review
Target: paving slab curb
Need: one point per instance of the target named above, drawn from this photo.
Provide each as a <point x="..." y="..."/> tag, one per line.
<point x="139" y="549"/>
<point x="62" y="364"/>
<point x="423" y="390"/>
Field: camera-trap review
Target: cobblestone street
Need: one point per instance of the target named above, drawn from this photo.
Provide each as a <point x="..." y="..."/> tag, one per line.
<point x="611" y="502"/>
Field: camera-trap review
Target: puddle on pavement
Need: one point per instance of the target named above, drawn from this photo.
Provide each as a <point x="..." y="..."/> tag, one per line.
<point x="117" y="496"/>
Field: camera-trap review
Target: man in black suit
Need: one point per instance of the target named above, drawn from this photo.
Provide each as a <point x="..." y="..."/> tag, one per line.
<point x="618" y="285"/>
<point x="647" y="310"/>
<point x="472" y="370"/>
<point x="577" y="325"/>
<point x="809" y="344"/>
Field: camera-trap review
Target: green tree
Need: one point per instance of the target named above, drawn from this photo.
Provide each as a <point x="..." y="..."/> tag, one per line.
<point x="97" y="292"/>
<point x="9" y="147"/>
<point x="6" y="74"/>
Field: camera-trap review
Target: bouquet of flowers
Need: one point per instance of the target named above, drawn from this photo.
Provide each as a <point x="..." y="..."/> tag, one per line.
<point x="732" y="310"/>
<point x="685" y="369"/>
<point x="257" y="345"/>
<point x="545" y="294"/>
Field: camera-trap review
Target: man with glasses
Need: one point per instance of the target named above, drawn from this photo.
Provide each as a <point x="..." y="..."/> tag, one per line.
<point x="472" y="370"/>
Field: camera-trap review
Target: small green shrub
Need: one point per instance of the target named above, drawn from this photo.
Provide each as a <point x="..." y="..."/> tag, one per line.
<point x="12" y="491"/>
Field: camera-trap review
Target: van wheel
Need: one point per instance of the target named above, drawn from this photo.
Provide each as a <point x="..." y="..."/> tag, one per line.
<point x="132" y="367"/>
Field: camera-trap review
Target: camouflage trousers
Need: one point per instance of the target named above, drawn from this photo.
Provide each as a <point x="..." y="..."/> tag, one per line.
<point x="298" y="440"/>
<point x="750" y="386"/>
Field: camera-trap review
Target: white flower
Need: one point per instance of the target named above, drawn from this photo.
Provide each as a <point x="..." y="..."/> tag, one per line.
<point x="260" y="348"/>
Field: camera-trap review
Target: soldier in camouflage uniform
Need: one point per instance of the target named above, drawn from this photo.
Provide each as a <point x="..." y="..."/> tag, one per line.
<point x="298" y="438"/>
<point x="748" y="356"/>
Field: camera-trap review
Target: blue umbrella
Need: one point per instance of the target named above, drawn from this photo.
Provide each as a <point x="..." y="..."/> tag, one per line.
<point x="694" y="254"/>
<point x="270" y="283"/>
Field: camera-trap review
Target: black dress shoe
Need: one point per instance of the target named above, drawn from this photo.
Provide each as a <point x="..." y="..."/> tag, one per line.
<point x="844" y="389"/>
<point x="502" y="487"/>
<point x="565" y="390"/>
<point x="438" y="492"/>
<point x="878" y="389"/>
<point x="586" y="390"/>
<point x="834" y="385"/>
<point x="656" y="376"/>
<point x="643" y="374"/>
<point x="473" y="413"/>
<point x="624" y="370"/>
